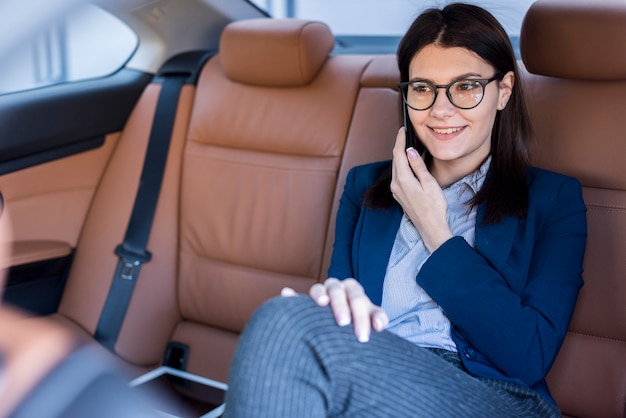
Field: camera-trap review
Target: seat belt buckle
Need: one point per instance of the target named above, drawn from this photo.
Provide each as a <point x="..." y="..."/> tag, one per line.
<point x="130" y="261"/>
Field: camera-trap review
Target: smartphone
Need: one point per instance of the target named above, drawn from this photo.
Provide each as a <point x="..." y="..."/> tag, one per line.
<point x="409" y="136"/>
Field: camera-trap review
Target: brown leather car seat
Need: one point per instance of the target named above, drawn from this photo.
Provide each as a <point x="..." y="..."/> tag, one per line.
<point x="257" y="161"/>
<point x="576" y="91"/>
<point x="265" y="145"/>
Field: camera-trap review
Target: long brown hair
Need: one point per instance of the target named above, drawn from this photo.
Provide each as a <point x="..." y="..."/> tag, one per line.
<point x="505" y="190"/>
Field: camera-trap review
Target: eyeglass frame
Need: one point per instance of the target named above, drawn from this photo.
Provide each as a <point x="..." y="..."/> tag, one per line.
<point x="402" y="86"/>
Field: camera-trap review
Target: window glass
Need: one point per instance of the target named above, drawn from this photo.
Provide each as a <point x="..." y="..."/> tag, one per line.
<point x="384" y="19"/>
<point x="87" y="43"/>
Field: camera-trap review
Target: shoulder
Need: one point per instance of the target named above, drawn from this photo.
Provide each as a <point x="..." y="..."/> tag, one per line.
<point x="543" y="181"/>
<point x="547" y="176"/>
<point x="549" y="190"/>
<point x="362" y="177"/>
<point x="370" y="170"/>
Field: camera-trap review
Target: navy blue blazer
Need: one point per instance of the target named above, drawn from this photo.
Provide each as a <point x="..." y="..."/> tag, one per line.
<point x="509" y="299"/>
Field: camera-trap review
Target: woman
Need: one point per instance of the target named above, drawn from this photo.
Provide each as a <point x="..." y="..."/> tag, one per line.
<point x="463" y="260"/>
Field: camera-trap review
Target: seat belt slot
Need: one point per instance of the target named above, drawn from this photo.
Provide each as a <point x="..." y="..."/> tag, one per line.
<point x="176" y="355"/>
<point x="130" y="261"/>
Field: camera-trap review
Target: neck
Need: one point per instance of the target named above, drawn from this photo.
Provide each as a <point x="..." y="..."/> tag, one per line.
<point x="448" y="172"/>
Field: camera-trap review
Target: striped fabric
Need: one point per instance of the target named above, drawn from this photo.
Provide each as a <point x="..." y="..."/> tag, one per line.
<point x="293" y="361"/>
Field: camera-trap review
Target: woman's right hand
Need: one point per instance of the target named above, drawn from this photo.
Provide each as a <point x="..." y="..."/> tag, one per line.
<point x="350" y="304"/>
<point x="419" y="194"/>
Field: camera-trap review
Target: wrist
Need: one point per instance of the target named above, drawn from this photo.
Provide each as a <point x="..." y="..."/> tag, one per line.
<point x="436" y="241"/>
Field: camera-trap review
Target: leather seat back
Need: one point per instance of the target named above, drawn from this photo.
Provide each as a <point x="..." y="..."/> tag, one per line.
<point x="265" y="146"/>
<point x="575" y="53"/>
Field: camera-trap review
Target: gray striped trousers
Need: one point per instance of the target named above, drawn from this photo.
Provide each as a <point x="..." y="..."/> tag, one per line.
<point x="293" y="361"/>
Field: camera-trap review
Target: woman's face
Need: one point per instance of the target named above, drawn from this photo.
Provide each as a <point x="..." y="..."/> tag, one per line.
<point x="459" y="140"/>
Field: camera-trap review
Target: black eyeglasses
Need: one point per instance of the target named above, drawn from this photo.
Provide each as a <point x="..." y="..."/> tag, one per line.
<point x="464" y="94"/>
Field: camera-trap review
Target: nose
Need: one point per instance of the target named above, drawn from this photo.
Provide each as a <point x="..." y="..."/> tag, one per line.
<point x="442" y="107"/>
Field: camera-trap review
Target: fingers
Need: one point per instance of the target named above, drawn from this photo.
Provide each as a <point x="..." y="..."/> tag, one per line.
<point x="399" y="148"/>
<point x="350" y="304"/>
<point x="380" y="320"/>
<point x="402" y="154"/>
<point x="400" y="143"/>
<point x="361" y="309"/>
<point x="365" y="315"/>
<point x="417" y="164"/>
<point x="319" y="294"/>
<point x="402" y="169"/>
<point x="338" y="301"/>
<point x="287" y="292"/>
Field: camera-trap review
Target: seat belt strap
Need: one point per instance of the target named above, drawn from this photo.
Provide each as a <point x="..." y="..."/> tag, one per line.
<point x="132" y="252"/>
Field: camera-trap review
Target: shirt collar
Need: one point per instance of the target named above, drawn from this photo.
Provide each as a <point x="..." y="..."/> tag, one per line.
<point x="475" y="179"/>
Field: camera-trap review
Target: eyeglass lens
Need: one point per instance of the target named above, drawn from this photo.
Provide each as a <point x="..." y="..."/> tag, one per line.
<point x="465" y="94"/>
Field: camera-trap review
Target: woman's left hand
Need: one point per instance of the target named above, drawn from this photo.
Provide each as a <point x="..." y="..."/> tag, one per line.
<point x="349" y="304"/>
<point x="419" y="194"/>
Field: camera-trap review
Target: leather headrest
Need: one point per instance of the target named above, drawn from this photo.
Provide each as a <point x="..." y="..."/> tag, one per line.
<point x="576" y="39"/>
<point x="274" y="52"/>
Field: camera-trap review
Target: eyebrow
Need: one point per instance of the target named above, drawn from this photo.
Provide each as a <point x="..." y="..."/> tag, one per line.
<point x="460" y="77"/>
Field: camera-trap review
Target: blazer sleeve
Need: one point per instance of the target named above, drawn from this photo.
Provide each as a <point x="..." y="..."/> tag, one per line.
<point x="515" y="317"/>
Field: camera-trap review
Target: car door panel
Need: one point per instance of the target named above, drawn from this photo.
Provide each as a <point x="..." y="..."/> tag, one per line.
<point x="55" y="143"/>
<point x="49" y="201"/>
<point x="42" y="120"/>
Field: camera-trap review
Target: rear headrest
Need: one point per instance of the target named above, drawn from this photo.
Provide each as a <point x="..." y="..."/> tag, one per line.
<point x="274" y="52"/>
<point x="576" y="39"/>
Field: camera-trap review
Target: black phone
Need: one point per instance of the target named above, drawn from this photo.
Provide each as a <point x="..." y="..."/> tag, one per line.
<point x="405" y="115"/>
<point x="405" y="118"/>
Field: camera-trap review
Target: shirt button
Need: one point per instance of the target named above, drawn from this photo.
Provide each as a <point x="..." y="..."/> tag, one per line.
<point x="469" y="353"/>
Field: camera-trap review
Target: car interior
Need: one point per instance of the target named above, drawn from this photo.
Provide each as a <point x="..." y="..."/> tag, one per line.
<point x="265" y="120"/>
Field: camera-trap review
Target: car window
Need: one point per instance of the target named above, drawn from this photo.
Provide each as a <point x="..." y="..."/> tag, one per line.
<point x="86" y="43"/>
<point x="375" y="26"/>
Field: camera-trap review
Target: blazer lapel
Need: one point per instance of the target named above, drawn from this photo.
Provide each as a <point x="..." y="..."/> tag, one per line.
<point x="375" y="248"/>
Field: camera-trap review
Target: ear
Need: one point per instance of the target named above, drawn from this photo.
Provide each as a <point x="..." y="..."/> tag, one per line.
<point x="505" y="89"/>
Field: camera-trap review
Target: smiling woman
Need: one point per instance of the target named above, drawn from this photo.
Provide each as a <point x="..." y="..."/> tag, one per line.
<point x="398" y="329"/>
<point x="456" y="127"/>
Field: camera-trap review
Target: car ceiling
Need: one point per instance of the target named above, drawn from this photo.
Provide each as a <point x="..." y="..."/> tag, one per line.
<point x="164" y="27"/>
<point x="168" y="27"/>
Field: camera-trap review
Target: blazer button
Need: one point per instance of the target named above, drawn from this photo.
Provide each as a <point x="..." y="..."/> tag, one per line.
<point x="469" y="353"/>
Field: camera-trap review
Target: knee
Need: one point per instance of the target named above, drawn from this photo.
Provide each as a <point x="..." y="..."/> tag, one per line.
<point x="280" y="311"/>
<point x="283" y="316"/>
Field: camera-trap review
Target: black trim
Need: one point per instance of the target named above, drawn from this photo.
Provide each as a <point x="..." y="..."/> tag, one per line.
<point x="37" y="287"/>
<point x="51" y="155"/>
<point x="50" y="118"/>
<point x="188" y="64"/>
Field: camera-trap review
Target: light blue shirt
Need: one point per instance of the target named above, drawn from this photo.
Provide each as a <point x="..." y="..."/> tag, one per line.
<point x="413" y="315"/>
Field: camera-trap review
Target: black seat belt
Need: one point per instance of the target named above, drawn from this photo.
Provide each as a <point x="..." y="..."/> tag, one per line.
<point x="132" y="252"/>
